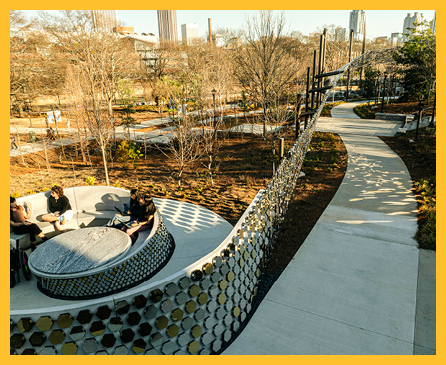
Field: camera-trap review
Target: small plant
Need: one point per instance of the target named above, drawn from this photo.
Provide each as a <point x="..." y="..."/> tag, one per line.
<point x="90" y="180"/>
<point x="15" y="194"/>
<point x="43" y="189"/>
<point x="128" y="152"/>
<point x="117" y="184"/>
<point x="30" y="192"/>
<point x="329" y="169"/>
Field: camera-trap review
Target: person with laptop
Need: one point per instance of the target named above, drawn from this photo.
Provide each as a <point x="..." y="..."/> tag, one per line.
<point x="124" y="216"/>
<point x="144" y="220"/>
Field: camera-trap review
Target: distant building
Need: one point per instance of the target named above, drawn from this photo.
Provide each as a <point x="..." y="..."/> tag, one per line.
<point x="105" y="19"/>
<point x="189" y="33"/>
<point x="357" y="23"/>
<point x="218" y="40"/>
<point x="434" y="23"/>
<point x="341" y="34"/>
<point x="167" y="26"/>
<point x="396" y="39"/>
<point x="409" y="21"/>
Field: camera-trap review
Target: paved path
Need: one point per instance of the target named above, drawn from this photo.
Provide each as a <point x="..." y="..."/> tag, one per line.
<point x="354" y="287"/>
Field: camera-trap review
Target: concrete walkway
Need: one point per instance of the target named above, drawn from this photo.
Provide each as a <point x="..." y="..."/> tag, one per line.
<point x="354" y="287"/>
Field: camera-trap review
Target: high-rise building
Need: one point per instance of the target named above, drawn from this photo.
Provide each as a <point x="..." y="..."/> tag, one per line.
<point x="409" y="21"/>
<point x="434" y="23"/>
<point x="105" y="19"/>
<point x="189" y="32"/>
<point x="167" y="26"/>
<point x="357" y="23"/>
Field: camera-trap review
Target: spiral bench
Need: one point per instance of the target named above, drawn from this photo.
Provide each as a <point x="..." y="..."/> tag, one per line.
<point x="93" y="206"/>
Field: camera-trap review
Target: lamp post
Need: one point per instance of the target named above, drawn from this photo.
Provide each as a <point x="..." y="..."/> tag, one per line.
<point x="384" y="92"/>
<point x="213" y="91"/>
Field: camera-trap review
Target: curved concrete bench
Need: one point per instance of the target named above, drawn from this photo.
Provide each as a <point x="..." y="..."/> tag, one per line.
<point x="94" y="206"/>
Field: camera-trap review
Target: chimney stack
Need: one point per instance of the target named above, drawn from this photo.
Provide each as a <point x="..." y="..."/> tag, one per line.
<point x="210" y="30"/>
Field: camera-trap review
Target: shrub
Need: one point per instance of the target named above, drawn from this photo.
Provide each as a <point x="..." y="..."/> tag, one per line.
<point x="90" y="180"/>
<point x="128" y="152"/>
<point x="30" y="192"/>
<point x="427" y="235"/>
<point x="117" y="184"/>
<point x="15" y="194"/>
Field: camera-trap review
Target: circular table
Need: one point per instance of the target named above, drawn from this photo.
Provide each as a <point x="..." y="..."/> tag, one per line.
<point x="79" y="250"/>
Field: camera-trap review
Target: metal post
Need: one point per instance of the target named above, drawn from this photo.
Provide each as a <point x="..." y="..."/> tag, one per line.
<point x="314" y="74"/>
<point x="297" y="114"/>
<point x="319" y="68"/>
<point x="349" y="60"/>
<point x="384" y="92"/>
<point x="306" y="97"/>
<point x="213" y="97"/>
<point x="323" y="61"/>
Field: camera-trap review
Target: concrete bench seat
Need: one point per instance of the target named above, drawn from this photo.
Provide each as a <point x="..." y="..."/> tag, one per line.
<point x="91" y="205"/>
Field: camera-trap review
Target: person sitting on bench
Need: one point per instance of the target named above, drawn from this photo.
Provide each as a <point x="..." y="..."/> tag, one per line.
<point x="60" y="209"/>
<point x="130" y="214"/>
<point x="20" y="225"/>
<point x="145" y="218"/>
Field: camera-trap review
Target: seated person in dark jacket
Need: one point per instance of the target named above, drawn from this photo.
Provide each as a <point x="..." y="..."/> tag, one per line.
<point x="18" y="217"/>
<point x="60" y="208"/>
<point x="145" y="218"/>
<point x="131" y="214"/>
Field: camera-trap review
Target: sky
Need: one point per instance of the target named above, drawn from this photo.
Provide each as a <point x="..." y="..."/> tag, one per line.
<point x="379" y="22"/>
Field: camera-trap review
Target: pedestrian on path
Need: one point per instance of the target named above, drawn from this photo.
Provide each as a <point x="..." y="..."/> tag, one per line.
<point x="13" y="144"/>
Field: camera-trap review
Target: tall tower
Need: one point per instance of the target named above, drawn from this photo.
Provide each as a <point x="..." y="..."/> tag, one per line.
<point x="357" y="22"/>
<point x="434" y="23"/>
<point x="105" y="19"/>
<point x="167" y="26"/>
<point x="409" y="21"/>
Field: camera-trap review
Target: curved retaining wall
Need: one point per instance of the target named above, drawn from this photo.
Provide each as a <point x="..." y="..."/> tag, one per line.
<point x="192" y="312"/>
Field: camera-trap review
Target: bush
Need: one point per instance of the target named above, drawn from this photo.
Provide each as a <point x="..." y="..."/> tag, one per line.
<point x="427" y="235"/>
<point x="90" y="180"/>
<point x="15" y="194"/>
<point x="128" y="152"/>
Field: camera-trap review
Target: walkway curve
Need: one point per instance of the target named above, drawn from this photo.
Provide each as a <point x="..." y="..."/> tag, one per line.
<point x="352" y="286"/>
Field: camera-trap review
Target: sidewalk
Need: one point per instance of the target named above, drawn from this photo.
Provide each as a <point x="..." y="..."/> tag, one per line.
<point x="354" y="286"/>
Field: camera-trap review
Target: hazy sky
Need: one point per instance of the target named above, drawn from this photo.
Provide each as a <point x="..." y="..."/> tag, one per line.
<point x="379" y="22"/>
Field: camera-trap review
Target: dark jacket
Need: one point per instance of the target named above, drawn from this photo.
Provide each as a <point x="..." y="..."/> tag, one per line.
<point x="61" y="205"/>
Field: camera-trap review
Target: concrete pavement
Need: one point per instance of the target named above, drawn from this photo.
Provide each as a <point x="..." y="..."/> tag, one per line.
<point x="358" y="284"/>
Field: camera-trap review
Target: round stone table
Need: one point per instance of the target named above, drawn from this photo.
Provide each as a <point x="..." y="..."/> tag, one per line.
<point x="79" y="250"/>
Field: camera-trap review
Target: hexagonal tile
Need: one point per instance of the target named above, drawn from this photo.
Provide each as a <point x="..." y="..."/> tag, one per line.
<point x="25" y="324"/>
<point x="140" y="301"/>
<point x="208" y="268"/>
<point x="108" y="340"/>
<point x="196" y="331"/>
<point x="29" y="352"/>
<point x="221" y="298"/>
<point x="56" y="337"/>
<point x="115" y="324"/>
<point x="166" y="306"/>
<point x="144" y="329"/>
<point x="97" y="328"/>
<point x="181" y="298"/>
<point x="227" y="335"/>
<point x="84" y="316"/>
<point x="44" y="323"/>
<point x="121" y="350"/>
<point x="156" y="339"/>
<point x="156" y="295"/>
<point x="37" y="339"/>
<point x="193" y="347"/>
<point x="223" y="284"/>
<point x="103" y="312"/>
<point x="202" y="298"/>
<point x="168" y="348"/>
<point x="139" y="346"/>
<point x="48" y="350"/>
<point x="17" y="341"/>
<point x="122" y="307"/>
<point x="199" y="314"/>
<point x="177" y="315"/>
<point x="187" y="323"/>
<point x="184" y="283"/>
<point x="190" y="306"/>
<point x="207" y="338"/>
<point x="216" y="345"/>
<point x="194" y="290"/>
<point x="77" y="333"/>
<point x="152" y="351"/>
<point x="205" y="283"/>
<point x="183" y="339"/>
<point x="173" y="330"/>
<point x="171" y="289"/>
<point x="127" y="335"/>
<point x="161" y="322"/>
<point x="90" y="345"/>
<point x="133" y="318"/>
<point x="151" y="312"/>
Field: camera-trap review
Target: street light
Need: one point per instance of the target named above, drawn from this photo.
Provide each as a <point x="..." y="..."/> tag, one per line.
<point x="384" y="91"/>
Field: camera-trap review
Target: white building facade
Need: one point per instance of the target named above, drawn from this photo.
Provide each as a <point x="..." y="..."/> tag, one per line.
<point x="189" y="33"/>
<point x="357" y="23"/>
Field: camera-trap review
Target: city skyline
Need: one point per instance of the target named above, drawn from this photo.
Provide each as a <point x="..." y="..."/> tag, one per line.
<point x="379" y="22"/>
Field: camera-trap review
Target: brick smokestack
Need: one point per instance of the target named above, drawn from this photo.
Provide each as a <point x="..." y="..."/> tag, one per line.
<point x="210" y="30"/>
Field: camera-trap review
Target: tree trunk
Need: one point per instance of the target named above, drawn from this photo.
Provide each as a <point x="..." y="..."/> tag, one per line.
<point x="104" y="159"/>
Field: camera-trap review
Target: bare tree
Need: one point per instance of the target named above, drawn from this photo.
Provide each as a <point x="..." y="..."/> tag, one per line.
<point x="264" y="63"/>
